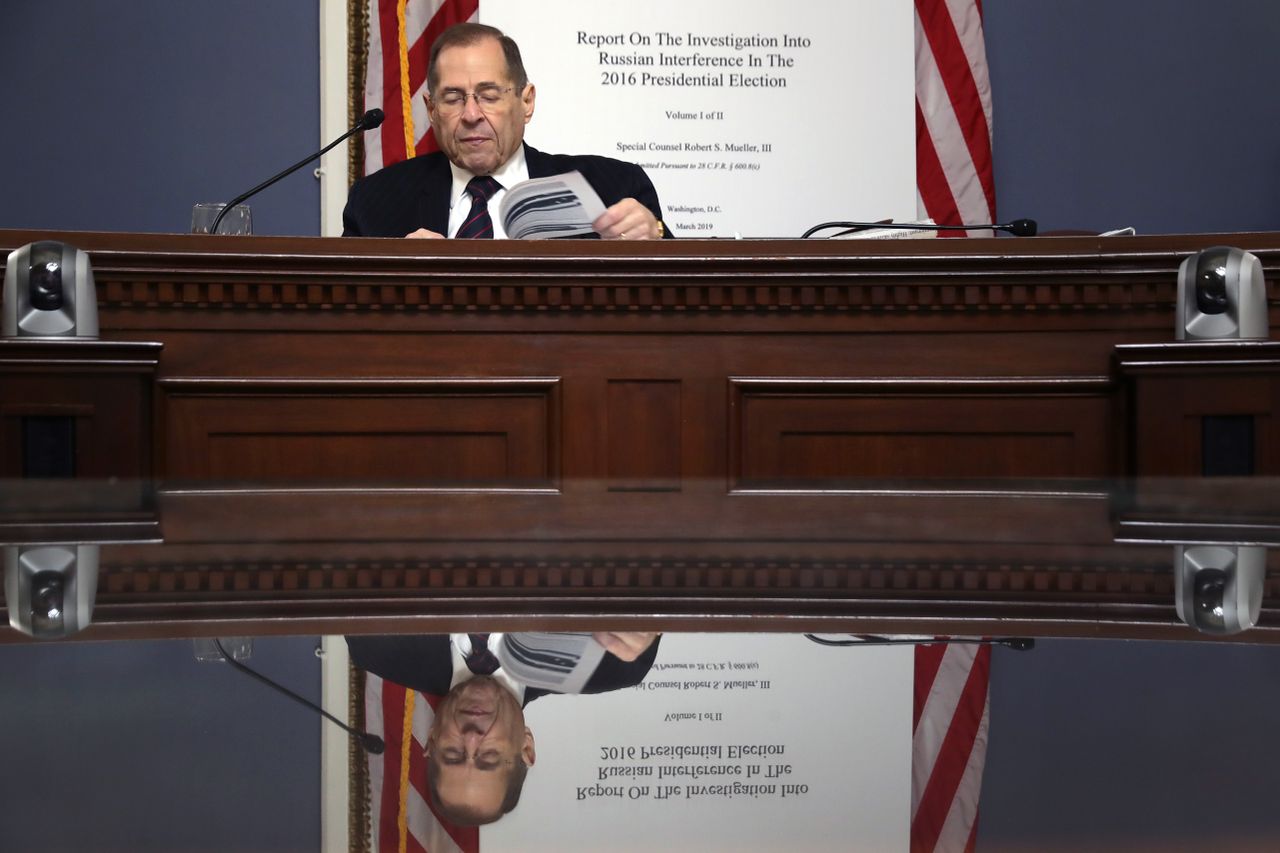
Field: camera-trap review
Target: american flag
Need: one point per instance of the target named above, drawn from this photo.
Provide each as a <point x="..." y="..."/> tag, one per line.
<point x="953" y="115"/>
<point x="955" y="185"/>
<point x="403" y="820"/>
<point x="400" y="37"/>
<point x="949" y="745"/>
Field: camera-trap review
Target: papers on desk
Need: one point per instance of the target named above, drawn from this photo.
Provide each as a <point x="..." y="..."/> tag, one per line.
<point x="562" y="662"/>
<point x="556" y="206"/>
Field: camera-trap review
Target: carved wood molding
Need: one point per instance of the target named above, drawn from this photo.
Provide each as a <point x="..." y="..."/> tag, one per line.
<point x="672" y="297"/>
<point x="1058" y="275"/>
<point x="956" y="598"/>
<point x="1025" y="580"/>
<point x="19" y="355"/>
<point x="1237" y="356"/>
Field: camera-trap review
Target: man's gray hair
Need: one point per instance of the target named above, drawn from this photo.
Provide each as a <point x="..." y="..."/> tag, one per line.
<point x="467" y="34"/>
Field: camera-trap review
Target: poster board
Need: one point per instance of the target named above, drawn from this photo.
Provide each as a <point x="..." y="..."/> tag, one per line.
<point x="734" y="742"/>
<point x="752" y="119"/>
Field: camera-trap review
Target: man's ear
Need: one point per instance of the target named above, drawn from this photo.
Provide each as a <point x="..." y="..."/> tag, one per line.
<point x="527" y="99"/>
<point x="527" y="752"/>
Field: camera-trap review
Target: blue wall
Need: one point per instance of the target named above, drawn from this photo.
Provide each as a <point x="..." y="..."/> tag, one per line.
<point x="1161" y="114"/>
<point x="1108" y="745"/>
<point x="124" y="114"/>
<point x="1164" y="115"/>
<point x="140" y="747"/>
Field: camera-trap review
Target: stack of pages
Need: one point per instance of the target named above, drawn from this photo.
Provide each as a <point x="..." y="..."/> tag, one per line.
<point x="558" y="206"/>
<point x="561" y="662"/>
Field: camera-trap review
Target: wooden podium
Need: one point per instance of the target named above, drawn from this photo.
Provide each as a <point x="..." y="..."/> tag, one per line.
<point x="576" y="402"/>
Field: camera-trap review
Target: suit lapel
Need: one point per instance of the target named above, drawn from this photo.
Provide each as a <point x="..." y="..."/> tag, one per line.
<point x="433" y="201"/>
<point x="538" y="164"/>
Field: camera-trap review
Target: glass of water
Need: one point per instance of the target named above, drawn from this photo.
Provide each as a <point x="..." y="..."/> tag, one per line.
<point x="237" y="220"/>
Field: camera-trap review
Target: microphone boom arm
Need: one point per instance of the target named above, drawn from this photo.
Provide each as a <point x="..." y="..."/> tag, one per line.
<point x="370" y="742"/>
<point x="368" y="121"/>
<point x="1018" y="227"/>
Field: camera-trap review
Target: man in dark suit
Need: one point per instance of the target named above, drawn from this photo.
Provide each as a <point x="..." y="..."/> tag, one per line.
<point x="478" y="748"/>
<point x="479" y="102"/>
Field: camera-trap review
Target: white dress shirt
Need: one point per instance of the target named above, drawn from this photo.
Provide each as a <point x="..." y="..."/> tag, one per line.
<point x="460" y="646"/>
<point x="512" y="172"/>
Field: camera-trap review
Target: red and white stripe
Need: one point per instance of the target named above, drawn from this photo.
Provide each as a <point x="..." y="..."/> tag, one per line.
<point x="949" y="746"/>
<point x="400" y="37"/>
<point x="402" y="819"/>
<point x="953" y="115"/>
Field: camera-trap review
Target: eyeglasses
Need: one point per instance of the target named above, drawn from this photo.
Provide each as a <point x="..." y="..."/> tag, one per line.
<point x="453" y="102"/>
<point x="489" y="759"/>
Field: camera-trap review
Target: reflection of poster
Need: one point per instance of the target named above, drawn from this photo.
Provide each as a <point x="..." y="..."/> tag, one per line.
<point x="734" y="742"/>
<point x="759" y="119"/>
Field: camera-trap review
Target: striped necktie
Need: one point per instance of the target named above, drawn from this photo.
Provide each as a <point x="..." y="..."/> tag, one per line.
<point x="478" y="224"/>
<point x="481" y="661"/>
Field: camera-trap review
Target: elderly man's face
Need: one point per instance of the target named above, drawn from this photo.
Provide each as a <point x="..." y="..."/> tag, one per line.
<point x="477" y="736"/>
<point x="479" y="136"/>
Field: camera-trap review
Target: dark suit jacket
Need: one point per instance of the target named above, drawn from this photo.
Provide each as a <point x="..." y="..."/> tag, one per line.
<point x="425" y="663"/>
<point x="414" y="193"/>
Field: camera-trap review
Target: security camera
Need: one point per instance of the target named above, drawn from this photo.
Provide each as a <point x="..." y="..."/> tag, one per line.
<point x="1221" y="294"/>
<point x="1219" y="587"/>
<point x="50" y="589"/>
<point x="49" y="293"/>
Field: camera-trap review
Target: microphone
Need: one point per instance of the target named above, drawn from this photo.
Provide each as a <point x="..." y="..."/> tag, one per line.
<point x="1018" y="227"/>
<point x="373" y="118"/>
<point x="371" y="744"/>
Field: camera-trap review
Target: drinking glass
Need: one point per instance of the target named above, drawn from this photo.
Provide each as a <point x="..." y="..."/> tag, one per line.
<point x="237" y="220"/>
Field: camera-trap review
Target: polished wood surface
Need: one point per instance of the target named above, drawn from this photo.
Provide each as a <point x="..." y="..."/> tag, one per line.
<point x="760" y="360"/>
<point x="401" y="435"/>
<point x="1057" y="560"/>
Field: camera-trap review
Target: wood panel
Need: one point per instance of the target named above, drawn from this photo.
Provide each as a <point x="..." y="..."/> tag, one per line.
<point x="104" y="390"/>
<point x="1174" y="388"/>
<point x="432" y="433"/>
<point x="644" y="439"/>
<point x="801" y="432"/>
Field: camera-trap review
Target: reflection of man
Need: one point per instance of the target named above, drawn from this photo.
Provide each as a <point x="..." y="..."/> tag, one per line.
<point x="478" y="747"/>
<point x="479" y="101"/>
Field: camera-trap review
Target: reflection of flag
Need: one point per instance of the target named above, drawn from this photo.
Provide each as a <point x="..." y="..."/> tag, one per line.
<point x="953" y="114"/>
<point x="949" y="746"/>
<point x="403" y="822"/>
<point x="400" y="37"/>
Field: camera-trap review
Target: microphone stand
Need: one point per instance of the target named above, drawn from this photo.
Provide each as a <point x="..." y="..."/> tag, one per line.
<point x="368" y="121"/>
<point x="1021" y="644"/>
<point x="371" y="743"/>
<point x="1018" y="227"/>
